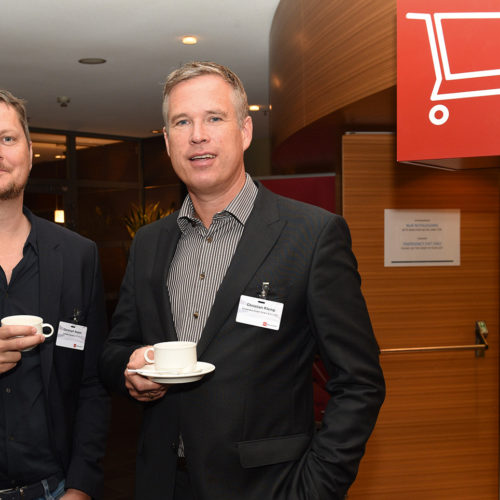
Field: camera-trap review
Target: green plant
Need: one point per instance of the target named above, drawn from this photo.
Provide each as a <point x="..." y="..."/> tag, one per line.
<point x="139" y="216"/>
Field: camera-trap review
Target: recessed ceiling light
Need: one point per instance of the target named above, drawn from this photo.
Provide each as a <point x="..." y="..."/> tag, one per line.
<point x="92" y="60"/>
<point x="189" y="40"/>
<point x="37" y="155"/>
<point x="156" y="131"/>
<point x="254" y="107"/>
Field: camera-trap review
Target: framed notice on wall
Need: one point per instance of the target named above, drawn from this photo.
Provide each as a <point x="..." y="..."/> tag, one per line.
<point x="421" y="237"/>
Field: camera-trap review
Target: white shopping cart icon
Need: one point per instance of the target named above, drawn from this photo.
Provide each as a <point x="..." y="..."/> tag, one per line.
<point x="439" y="113"/>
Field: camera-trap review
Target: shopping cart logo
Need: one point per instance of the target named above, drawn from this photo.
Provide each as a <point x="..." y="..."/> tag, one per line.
<point x="439" y="114"/>
<point x="448" y="79"/>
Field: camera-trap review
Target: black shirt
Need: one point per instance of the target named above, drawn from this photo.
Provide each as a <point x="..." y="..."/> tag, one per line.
<point x="26" y="455"/>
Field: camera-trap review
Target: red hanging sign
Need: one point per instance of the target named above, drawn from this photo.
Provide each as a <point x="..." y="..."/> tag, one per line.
<point x="448" y="74"/>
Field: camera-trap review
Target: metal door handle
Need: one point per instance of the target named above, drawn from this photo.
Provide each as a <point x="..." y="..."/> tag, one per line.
<point x="479" y="347"/>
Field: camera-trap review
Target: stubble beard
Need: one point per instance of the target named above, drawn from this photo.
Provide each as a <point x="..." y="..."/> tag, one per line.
<point x="13" y="191"/>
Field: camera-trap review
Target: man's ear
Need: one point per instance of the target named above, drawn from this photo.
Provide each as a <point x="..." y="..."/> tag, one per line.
<point x="247" y="132"/>
<point x="31" y="155"/>
<point x="165" y="136"/>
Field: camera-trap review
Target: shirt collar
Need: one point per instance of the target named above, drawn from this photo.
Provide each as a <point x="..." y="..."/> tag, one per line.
<point x="240" y="207"/>
<point x="32" y="239"/>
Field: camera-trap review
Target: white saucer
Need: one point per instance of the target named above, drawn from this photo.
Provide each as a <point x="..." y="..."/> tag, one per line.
<point x="164" y="377"/>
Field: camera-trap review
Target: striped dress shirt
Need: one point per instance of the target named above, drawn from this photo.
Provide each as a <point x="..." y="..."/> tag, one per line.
<point x="202" y="258"/>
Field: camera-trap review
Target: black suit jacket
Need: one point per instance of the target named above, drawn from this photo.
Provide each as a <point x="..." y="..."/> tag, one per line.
<point x="77" y="403"/>
<point x="248" y="427"/>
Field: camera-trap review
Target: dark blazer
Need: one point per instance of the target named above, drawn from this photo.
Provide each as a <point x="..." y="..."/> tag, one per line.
<point x="77" y="403"/>
<point x="248" y="427"/>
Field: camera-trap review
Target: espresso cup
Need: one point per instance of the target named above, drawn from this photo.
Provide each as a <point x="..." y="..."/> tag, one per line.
<point x="174" y="356"/>
<point x="28" y="320"/>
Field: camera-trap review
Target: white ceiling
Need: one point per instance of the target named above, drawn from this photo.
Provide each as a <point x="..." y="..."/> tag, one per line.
<point x="42" y="41"/>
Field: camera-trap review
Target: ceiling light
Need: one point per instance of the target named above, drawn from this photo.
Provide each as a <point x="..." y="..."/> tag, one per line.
<point x="37" y="155"/>
<point x="264" y="108"/>
<point x="156" y="131"/>
<point x="92" y="60"/>
<point x="189" y="40"/>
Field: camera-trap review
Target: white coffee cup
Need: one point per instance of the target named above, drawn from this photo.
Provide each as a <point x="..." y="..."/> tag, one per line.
<point x="28" y="320"/>
<point x="174" y="356"/>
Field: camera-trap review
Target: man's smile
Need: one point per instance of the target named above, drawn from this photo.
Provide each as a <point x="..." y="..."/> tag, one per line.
<point x="206" y="156"/>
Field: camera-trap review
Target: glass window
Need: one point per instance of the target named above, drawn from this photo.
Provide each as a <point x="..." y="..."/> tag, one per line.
<point x="49" y="156"/>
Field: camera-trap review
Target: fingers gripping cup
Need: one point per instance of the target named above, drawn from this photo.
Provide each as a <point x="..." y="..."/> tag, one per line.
<point x="28" y="320"/>
<point x="177" y="357"/>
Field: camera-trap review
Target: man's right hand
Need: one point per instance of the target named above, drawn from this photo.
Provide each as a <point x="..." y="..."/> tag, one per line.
<point x="139" y="387"/>
<point x="14" y="339"/>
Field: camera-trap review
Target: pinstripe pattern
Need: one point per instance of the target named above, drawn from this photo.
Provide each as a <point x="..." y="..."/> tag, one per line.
<point x="201" y="260"/>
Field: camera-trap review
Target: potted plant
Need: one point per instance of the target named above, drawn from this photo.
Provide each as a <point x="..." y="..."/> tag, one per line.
<point x="140" y="216"/>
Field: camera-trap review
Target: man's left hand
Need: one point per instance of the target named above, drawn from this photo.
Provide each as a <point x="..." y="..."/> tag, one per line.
<point x="139" y="387"/>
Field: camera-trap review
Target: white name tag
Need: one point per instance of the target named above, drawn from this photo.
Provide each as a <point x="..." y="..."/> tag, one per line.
<point x="259" y="312"/>
<point x="71" y="336"/>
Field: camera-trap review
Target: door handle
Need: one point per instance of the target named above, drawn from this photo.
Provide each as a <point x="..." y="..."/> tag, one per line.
<point x="479" y="347"/>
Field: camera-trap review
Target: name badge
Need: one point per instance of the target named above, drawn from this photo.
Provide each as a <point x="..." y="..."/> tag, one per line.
<point x="71" y="336"/>
<point x="259" y="312"/>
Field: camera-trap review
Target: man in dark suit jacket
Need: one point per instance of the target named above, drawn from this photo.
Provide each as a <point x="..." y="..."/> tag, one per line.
<point x="54" y="411"/>
<point x="245" y="430"/>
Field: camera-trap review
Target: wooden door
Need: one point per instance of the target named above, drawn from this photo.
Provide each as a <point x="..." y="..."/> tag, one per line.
<point x="437" y="435"/>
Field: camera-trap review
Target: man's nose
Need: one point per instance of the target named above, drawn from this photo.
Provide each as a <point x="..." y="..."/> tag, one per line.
<point x="199" y="133"/>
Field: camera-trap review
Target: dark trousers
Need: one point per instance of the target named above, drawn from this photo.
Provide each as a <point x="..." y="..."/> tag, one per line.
<point x="183" y="489"/>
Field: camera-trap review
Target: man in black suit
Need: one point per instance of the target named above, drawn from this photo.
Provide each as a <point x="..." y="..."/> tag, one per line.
<point x="261" y="283"/>
<point x="53" y="408"/>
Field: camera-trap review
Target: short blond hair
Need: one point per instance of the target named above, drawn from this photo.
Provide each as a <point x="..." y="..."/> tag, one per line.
<point x="199" y="68"/>
<point x="19" y="106"/>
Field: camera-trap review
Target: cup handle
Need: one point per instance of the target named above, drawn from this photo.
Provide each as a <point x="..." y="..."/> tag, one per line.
<point x="47" y="325"/>
<point x="146" y="357"/>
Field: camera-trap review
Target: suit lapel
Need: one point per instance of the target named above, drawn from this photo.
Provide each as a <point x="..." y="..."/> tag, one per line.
<point x="50" y="264"/>
<point x="165" y="250"/>
<point x="262" y="229"/>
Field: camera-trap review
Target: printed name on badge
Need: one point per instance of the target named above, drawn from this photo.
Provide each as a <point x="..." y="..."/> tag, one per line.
<point x="71" y="336"/>
<point x="259" y="312"/>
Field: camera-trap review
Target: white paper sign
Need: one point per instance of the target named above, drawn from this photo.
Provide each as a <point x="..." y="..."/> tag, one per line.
<point x="421" y="237"/>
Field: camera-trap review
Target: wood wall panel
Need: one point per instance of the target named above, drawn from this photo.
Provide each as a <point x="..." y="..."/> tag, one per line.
<point x="325" y="55"/>
<point x="437" y="435"/>
<point x="286" y="65"/>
